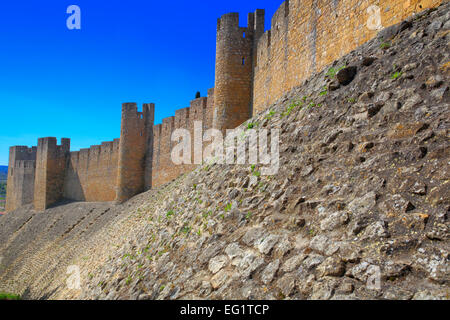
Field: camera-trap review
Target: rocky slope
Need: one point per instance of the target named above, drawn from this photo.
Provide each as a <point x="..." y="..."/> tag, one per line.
<point x="362" y="195"/>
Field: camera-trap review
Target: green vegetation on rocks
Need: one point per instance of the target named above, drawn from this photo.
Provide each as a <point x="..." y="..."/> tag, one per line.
<point x="8" y="296"/>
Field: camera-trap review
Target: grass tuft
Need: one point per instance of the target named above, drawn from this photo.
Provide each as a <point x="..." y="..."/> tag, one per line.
<point x="9" y="296"/>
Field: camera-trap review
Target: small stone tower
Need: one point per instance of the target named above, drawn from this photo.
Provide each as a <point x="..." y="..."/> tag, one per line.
<point x="135" y="151"/>
<point x="234" y="69"/>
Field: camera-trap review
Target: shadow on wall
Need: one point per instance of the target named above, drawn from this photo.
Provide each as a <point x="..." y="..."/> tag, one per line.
<point x="73" y="189"/>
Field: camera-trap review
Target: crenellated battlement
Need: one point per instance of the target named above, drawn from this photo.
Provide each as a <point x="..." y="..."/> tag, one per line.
<point x="279" y="19"/>
<point x="129" y="109"/>
<point x="229" y="24"/>
<point x="229" y="21"/>
<point x="157" y="130"/>
<point x="25" y="164"/>
<point x="167" y="124"/>
<point x="307" y="36"/>
<point x="253" y="69"/>
<point x="22" y="153"/>
<point x="49" y="145"/>
<point x="181" y="118"/>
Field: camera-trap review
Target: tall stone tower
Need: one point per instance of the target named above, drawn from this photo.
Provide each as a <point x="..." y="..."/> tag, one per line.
<point x="234" y="69"/>
<point x="135" y="151"/>
<point x="51" y="160"/>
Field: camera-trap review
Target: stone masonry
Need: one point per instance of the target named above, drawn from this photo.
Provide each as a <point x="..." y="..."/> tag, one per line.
<point x="253" y="70"/>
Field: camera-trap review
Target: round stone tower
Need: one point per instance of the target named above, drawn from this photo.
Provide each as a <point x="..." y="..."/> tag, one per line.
<point x="234" y="69"/>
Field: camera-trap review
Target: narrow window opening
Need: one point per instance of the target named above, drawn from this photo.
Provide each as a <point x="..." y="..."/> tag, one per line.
<point x="243" y="61"/>
<point x="244" y="34"/>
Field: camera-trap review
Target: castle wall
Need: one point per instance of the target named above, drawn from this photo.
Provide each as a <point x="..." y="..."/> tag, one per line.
<point x="91" y="174"/>
<point x="199" y="113"/>
<point x="253" y="69"/>
<point x="139" y="160"/>
<point x="210" y="108"/>
<point x="21" y="172"/>
<point x="308" y="35"/>
<point x="163" y="168"/>
<point x="182" y="120"/>
<point x="157" y="130"/>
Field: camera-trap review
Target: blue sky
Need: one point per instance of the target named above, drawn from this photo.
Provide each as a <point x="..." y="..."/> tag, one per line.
<point x="71" y="83"/>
